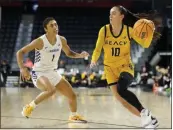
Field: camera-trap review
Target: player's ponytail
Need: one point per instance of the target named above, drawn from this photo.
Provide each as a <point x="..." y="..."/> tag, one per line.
<point x="122" y="9"/>
<point x="131" y="18"/>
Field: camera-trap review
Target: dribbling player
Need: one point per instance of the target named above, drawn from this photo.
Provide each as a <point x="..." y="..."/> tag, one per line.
<point x="44" y="74"/>
<point x="115" y="39"/>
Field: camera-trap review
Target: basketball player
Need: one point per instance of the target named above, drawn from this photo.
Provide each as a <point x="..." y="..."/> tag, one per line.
<point x="44" y="74"/>
<point x="115" y="38"/>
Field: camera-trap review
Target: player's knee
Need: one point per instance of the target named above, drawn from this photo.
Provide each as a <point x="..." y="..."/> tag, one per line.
<point x="124" y="81"/>
<point x="51" y="91"/>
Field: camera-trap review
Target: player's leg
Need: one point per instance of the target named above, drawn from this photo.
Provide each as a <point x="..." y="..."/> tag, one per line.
<point x="65" y="88"/>
<point x="48" y="90"/>
<point x="112" y="80"/>
<point x="128" y="106"/>
<point x="124" y="81"/>
<point x="127" y="98"/>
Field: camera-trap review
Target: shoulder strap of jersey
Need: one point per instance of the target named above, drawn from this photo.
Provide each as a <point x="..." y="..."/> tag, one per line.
<point x="128" y="32"/>
<point x="105" y="30"/>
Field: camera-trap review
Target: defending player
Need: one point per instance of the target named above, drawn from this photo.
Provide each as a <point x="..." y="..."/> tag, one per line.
<point x="44" y="74"/>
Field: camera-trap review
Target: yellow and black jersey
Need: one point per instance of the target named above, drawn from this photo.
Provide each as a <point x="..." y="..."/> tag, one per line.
<point x="116" y="48"/>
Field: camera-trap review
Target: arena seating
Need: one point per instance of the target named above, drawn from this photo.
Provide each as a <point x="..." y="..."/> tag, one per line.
<point x="8" y="32"/>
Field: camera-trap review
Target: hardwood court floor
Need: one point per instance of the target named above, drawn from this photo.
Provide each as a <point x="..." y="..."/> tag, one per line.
<point x="97" y="105"/>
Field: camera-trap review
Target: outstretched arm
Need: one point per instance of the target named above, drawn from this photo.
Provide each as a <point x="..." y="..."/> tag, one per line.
<point x="98" y="48"/>
<point x="69" y="52"/>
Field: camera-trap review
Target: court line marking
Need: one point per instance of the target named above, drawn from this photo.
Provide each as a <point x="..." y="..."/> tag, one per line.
<point x="68" y="122"/>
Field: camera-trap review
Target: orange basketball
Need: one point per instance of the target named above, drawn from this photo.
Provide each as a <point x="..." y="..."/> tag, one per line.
<point x="143" y="32"/>
<point x="143" y="28"/>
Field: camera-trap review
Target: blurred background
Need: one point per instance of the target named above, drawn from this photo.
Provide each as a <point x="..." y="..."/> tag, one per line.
<point x="79" y="21"/>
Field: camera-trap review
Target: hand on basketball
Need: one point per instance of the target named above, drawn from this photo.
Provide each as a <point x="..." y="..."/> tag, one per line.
<point x="25" y="74"/>
<point x="93" y="64"/>
<point x="84" y="54"/>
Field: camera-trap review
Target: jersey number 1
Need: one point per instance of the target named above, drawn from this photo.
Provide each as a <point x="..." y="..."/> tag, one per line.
<point x="115" y="51"/>
<point x="53" y="57"/>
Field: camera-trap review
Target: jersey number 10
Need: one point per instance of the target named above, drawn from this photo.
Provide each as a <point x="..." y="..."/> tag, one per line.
<point x="115" y="51"/>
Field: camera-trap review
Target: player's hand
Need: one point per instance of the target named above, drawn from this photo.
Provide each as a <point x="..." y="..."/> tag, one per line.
<point x="84" y="54"/>
<point x="25" y="74"/>
<point x="93" y="64"/>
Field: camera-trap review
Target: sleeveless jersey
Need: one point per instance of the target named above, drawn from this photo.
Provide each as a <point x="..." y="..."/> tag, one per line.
<point x="47" y="58"/>
<point x="117" y="48"/>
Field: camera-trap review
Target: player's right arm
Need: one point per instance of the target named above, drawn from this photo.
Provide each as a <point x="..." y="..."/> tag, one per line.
<point x="35" y="44"/>
<point x="98" y="48"/>
<point x="69" y="52"/>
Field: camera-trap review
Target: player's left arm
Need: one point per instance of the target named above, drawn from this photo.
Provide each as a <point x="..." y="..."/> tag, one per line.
<point x="69" y="52"/>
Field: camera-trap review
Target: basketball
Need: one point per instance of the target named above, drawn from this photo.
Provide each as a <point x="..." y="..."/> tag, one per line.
<point x="143" y="31"/>
<point x="143" y="28"/>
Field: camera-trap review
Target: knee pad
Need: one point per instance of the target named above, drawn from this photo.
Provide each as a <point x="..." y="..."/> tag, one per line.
<point x="125" y="79"/>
